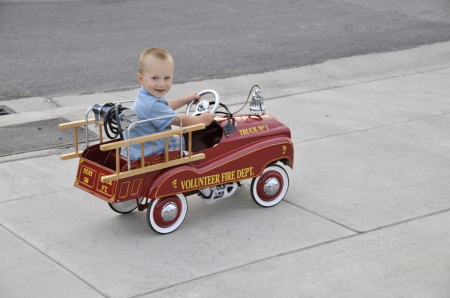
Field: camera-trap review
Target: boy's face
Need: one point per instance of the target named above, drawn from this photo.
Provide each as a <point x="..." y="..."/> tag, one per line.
<point x="157" y="76"/>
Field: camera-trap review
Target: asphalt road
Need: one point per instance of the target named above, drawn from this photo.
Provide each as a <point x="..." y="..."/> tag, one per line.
<point x="50" y="48"/>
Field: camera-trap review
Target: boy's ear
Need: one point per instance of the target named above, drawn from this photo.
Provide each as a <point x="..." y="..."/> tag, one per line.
<point x="139" y="76"/>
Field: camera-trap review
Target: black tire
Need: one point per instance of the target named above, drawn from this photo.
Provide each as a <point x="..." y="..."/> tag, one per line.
<point x="126" y="206"/>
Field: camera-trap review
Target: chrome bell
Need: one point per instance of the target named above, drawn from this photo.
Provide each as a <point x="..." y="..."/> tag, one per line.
<point x="257" y="106"/>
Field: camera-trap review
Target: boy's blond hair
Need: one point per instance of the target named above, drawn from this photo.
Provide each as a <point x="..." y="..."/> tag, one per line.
<point x="155" y="52"/>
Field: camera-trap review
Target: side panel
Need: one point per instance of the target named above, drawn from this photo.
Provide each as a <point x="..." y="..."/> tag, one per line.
<point x="130" y="188"/>
<point x="88" y="179"/>
<point x="239" y="165"/>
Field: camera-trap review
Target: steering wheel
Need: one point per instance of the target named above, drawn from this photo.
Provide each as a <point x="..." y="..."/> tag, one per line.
<point x="203" y="105"/>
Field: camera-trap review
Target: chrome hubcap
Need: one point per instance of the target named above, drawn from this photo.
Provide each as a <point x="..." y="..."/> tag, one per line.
<point x="271" y="186"/>
<point x="169" y="211"/>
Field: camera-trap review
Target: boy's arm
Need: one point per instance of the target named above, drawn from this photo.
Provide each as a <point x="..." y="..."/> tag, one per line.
<point x="182" y="101"/>
<point x="205" y="118"/>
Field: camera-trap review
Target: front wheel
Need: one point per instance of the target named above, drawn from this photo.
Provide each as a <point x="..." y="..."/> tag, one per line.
<point x="125" y="206"/>
<point x="270" y="188"/>
<point x="165" y="215"/>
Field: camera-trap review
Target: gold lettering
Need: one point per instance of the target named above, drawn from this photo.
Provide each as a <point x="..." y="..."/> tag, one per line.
<point x="228" y="176"/>
<point x="88" y="172"/>
<point x="104" y="188"/>
<point x="86" y="180"/>
<point x="243" y="173"/>
<point x="224" y="176"/>
<point x="208" y="180"/>
<point x="253" y="129"/>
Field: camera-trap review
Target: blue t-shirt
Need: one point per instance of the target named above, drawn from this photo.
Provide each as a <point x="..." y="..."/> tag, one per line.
<point x="146" y="107"/>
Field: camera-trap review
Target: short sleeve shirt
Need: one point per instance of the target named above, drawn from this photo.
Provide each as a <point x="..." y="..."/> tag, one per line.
<point x="146" y="107"/>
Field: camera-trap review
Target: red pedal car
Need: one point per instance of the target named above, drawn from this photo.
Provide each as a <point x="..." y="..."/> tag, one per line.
<point x="215" y="159"/>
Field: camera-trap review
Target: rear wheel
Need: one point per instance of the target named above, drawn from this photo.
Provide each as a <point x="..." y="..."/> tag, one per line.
<point x="165" y="215"/>
<point x="126" y="206"/>
<point x="270" y="188"/>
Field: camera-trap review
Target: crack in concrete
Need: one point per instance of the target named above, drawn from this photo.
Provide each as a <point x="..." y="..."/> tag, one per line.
<point x="54" y="261"/>
<point x="40" y="194"/>
<point x="288" y="252"/>
<point x="324" y="217"/>
<point x="362" y="80"/>
<point x="371" y="128"/>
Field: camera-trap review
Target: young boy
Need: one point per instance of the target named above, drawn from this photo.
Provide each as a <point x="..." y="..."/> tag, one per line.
<point x="156" y="70"/>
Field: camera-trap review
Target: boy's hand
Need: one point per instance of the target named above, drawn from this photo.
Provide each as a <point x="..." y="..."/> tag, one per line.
<point x="190" y="97"/>
<point x="182" y="101"/>
<point x="207" y="117"/>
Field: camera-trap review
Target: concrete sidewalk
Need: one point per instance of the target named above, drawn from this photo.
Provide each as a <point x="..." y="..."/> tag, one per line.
<point x="366" y="215"/>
